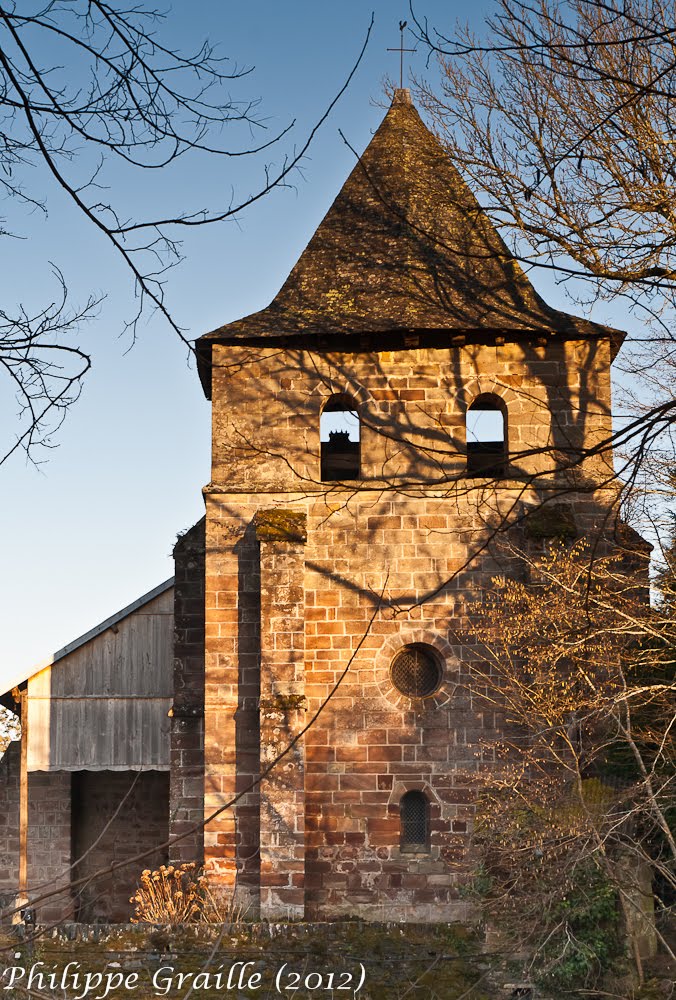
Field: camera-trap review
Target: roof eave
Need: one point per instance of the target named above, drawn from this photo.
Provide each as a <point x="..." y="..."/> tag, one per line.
<point x="364" y="340"/>
<point x="21" y="677"/>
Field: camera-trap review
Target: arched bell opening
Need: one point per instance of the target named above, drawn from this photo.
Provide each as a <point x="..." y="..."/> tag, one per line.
<point x="339" y="435"/>
<point x="486" y="427"/>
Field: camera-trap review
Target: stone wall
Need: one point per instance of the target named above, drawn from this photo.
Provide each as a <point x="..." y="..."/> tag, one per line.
<point x="75" y="815"/>
<point x="412" y="407"/>
<point x="10" y="764"/>
<point x="232" y="693"/>
<point x="187" y="724"/>
<point x="116" y="815"/>
<point x="282" y="536"/>
<point x="49" y="832"/>
<point x="49" y="844"/>
<point x="395" y="560"/>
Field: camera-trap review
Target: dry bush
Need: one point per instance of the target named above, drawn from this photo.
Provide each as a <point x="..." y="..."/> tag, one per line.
<point x="180" y="894"/>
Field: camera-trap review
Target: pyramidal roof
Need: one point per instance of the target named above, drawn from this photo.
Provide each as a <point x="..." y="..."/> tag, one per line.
<point x="405" y="247"/>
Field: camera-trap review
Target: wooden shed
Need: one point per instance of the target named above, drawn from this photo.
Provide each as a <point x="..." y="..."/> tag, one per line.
<point x="88" y="784"/>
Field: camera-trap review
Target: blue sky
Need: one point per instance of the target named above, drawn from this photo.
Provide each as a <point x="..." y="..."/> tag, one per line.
<point x="93" y="526"/>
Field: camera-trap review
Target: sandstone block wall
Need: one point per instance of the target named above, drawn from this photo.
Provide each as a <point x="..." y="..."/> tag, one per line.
<point x="49" y="844"/>
<point x="412" y="406"/>
<point x="116" y="815"/>
<point x="232" y="693"/>
<point x="281" y="536"/>
<point x="396" y="558"/>
<point x="187" y="724"/>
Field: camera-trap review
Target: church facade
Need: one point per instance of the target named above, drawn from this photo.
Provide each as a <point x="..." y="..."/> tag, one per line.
<point x="325" y="722"/>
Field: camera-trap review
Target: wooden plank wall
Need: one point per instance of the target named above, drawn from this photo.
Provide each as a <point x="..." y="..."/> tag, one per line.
<point x="104" y="705"/>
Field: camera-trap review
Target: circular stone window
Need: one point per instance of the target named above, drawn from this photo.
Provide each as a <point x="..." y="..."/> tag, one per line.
<point x="416" y="671"/>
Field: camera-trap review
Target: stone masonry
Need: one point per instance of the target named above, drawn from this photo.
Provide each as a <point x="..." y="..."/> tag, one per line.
<point x="49" y="837"/>
<point x="10" y="770"/>
<point x="116" y="815"/>
<point x="49" y="844"/>
<point x="186" y="789"/>
<point x="380" y="568"/>
<point x="312" y="588"/>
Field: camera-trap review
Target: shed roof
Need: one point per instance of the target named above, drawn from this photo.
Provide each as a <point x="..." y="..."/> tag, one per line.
<point x="101" y="703"/>
<point x="19" y="676"/>
<point x="404" y="247"/>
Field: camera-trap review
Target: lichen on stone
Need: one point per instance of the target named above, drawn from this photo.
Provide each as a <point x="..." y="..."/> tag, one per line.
<point x="275" y="525"/>
<point x="283" y="703"/>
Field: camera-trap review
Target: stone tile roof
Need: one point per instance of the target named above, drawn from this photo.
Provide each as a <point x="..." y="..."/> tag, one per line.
<point x="404" y="247"/>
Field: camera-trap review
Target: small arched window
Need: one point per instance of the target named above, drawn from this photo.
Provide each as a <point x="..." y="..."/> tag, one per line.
<point x="415" y="822"/>
<point x="339" y="439"/>
<point x="487" y="437"/>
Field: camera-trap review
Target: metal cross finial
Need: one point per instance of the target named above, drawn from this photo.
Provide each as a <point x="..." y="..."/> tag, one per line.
<point x="401" y="50"/>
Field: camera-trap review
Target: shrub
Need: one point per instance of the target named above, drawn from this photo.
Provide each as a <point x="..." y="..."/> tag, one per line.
<point x="180" y="894"/>
<point x="585" y="941"/>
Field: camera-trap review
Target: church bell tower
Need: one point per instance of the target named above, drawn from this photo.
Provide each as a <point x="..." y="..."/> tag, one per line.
<point x="406" y="391"/>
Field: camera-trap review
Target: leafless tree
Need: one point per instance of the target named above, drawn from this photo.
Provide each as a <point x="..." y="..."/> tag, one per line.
<point x="562" y="118"/>
<point x="85" y="84"/>
<point x="581" y="671"/>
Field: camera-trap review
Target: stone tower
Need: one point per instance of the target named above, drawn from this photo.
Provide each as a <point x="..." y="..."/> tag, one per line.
<point x="320" y="605"/>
